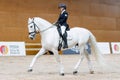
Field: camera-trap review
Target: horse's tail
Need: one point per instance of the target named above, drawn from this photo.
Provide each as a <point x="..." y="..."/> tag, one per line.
<point x="95" y="50"/>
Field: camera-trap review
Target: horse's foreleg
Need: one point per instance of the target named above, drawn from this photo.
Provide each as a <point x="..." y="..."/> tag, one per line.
<point x="41" y="52"/>
<point x="57" y="56"/>
<point x="89" y="62"/>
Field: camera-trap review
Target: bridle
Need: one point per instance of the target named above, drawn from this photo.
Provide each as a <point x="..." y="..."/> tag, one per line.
<point x="34" y="25"/>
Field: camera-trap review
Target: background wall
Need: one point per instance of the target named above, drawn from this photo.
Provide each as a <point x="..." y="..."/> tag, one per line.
<point x="102" y="17"/>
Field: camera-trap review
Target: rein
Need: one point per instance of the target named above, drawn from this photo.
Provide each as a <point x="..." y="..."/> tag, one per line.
<point x="47" y="28"/>
<point x="35" y="25"/>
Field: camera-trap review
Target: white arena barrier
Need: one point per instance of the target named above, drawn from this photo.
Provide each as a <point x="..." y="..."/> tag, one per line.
<point x="12" y="49"/>
<point x="115" y="47"/>
<point x="104" y="47"/>
<point x="33" y="48"/>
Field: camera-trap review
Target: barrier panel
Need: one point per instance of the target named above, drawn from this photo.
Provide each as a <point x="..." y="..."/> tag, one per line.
<point x="12" y="49"/>
<point x="75" y="50"/>
<point x="33" y="48"/>
<point x="115" y="47"/>
<point x="104" y="47"/>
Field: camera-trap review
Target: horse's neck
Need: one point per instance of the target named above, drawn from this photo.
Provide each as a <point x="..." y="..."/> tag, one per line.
<point x="49" y="36"/>
<point x="49" y="30"/>
<point x="42" y="24"/>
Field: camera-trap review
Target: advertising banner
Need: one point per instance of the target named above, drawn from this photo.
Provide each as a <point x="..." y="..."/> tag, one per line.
<point x="12" y="49"/>
<point x="115" y="47"/>
<point x="104" y="47"/>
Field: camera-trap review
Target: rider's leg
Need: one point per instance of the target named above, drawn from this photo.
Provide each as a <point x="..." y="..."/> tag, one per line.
<point x="59" y="31"/>
<point x="64" y="36"/>
<point x="65" y="40"/>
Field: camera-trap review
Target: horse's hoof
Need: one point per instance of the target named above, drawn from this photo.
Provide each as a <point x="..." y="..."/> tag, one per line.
<point x="62" y="74"/>
<point x="75" y="72"/>
<point x="91" y="72"/>
<point x="30" y="70"/>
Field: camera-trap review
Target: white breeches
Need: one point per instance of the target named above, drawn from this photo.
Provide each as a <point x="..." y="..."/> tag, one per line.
<point x="63" y="28"/>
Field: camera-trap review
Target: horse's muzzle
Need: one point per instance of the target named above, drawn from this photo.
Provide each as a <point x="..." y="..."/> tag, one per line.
<point x="31" y="38"/>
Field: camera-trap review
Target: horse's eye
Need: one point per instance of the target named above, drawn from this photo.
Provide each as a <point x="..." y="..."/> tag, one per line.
<point x="30" y="26"/>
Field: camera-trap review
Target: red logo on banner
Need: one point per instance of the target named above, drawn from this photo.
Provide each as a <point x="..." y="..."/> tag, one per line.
<point x="3" y="49"/>
<point x="116" y="47"/>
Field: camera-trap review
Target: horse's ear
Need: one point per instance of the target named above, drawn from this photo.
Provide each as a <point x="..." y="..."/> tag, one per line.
<point x="29" y="20"/>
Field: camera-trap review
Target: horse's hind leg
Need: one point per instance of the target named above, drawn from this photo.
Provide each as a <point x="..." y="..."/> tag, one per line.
<point x="89" y="62"/>
<point x="79" y="62"/>
<point x="41" y="52"/>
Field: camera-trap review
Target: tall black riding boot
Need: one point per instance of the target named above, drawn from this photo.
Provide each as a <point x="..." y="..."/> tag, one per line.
<point x="60" y="34"/>
<point x="65" y="40"/>
<point x="59" y="31"/>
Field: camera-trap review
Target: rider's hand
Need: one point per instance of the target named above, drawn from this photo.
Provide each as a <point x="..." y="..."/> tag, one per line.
<point x="56" y="23"/>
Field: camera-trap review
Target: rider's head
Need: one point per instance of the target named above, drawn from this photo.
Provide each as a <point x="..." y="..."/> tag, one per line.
<point x="62" y="6"/>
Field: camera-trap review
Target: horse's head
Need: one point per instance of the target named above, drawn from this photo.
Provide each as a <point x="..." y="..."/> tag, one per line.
<point x="32" y="28"/>
<point x="36" y="25"/>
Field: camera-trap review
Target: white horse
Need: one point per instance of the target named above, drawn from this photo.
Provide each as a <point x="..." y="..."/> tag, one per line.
<point x="50" y="41"/>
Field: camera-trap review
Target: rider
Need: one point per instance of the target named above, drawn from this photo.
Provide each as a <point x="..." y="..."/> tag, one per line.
<point x="61" y="23"/>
